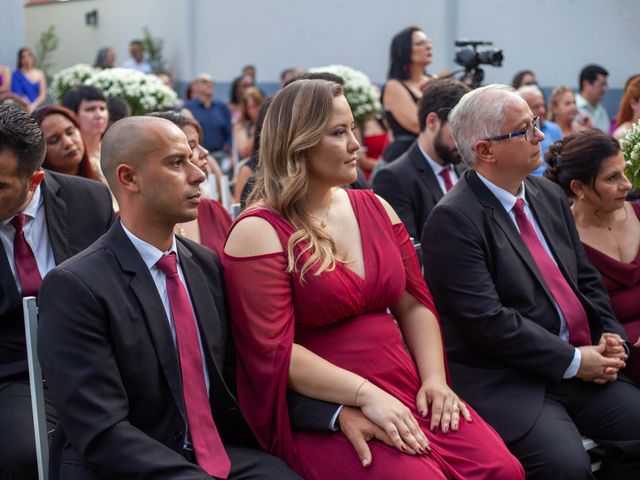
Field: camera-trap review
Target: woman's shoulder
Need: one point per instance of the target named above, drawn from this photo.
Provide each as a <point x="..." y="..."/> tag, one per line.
<point x="254" y="233"/>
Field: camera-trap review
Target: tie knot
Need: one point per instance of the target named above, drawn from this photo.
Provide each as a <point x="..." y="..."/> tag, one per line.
<point x="445" y="170"/>
<point x="168" y="264"/>
<point x="18" y="222"/>
<point x="518" y="208"/>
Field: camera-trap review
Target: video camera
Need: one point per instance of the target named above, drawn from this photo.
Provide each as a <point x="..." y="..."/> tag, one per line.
<point x="470" y="57"/>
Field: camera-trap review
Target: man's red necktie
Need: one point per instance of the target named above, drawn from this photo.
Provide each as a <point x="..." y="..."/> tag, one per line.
<point x="445" y="173"/>
<point x="26" y="265"/>
<point x="564" y="296"/>
<point x="208" y="447"/>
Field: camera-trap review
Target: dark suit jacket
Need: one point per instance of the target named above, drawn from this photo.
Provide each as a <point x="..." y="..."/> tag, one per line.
<point x="77" y="212"/>
<point x="498" y="317"/>
<point x="108" y="354"/>
<point x="411" y="188"/>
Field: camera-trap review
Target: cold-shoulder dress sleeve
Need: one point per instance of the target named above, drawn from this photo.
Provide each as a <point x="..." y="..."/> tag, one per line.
<point x="261" y="303"/>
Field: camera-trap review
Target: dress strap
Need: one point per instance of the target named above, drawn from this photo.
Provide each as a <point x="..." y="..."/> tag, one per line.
<point x="413" y="95"/>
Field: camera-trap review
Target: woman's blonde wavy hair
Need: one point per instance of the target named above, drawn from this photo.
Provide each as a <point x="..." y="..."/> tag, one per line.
<point x="295" y="122"/>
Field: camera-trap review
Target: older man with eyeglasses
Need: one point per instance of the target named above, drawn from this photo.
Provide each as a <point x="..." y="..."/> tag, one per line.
<point x="531" y="339"/>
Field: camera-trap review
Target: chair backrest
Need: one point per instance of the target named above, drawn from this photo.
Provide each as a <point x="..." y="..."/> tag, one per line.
<point x="30" y="308"/>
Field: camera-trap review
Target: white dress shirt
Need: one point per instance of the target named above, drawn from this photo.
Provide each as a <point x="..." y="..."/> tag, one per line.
<point x="508" y="201"/>
<point x="35" y="233"/>
<point x="150" y="256"/>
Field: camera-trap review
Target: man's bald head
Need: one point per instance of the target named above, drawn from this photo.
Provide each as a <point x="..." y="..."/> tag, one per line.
<point x="129" y="141"/>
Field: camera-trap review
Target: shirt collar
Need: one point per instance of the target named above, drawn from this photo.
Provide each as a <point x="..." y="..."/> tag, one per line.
<point x="435" y="166"/>
<point x="506" y="199"/>
<point x="582" y="102"/>
<point x="150" y="254"/>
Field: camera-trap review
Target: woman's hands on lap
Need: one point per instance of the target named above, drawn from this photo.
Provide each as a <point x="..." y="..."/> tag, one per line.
<point x="446" y="406"/>
<point x="394" y="418"/>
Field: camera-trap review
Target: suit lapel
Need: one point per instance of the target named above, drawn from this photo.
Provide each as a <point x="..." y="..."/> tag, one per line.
<point x="502" y="219"/>
<point x="426" y="175"/>
<point x="204" y="306"/>
<point x="8" y="288"/>
<point x="55" y="210"/>
<point x="145" y="290"/>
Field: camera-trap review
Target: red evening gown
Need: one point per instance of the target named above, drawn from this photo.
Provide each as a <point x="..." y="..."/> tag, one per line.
<point x="622" y="281"/>
<point x="214" y="223"/>
<point x="344" y="318"/>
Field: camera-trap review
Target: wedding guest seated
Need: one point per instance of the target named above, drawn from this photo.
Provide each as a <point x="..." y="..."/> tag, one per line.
<point x="5" y="79"/>
<point x="535" y="99"/>
<point x="45" y="218"/>
<point x="416" y="181"/>
<point x="28" y="81"/>
<point x="593" y="87"/>
<point x="137" y="60"/>
<point x="531" y="339"/>
<point x="246" y="173"/>
<point x="90" y="106"/>
<point x="105" y="58"/>
<point x="589" y="167"/>
<point x="564" y="112"/>
<point x="243" y="128"/>
<point x="211" y="227"/>
<point x="212" y="115"/>
<point x="629" y="112"/>
<point x="238" y="86"/>
<point x="132" y="333"/>
<point x="523" y="78"/>
<point x="8" y="98"/>
<point x="66" y="152"/>
<point x="311" y="269"/>
<point x="118" y="108"/>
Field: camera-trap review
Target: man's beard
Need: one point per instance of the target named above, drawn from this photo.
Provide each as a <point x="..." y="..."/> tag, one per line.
<point x="446" y="154"/>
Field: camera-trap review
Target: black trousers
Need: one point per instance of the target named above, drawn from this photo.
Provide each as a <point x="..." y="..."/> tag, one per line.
<point x="610" y="414"/>
<point x="251" y="464"/>
<point x="17" y="440"/>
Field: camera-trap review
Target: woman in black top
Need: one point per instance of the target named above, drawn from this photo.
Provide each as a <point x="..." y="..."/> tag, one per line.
<point x="411" y="52"/>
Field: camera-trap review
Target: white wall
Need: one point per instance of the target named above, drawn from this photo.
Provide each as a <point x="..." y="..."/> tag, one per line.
<point x="11" y="30"/>
<point x="555" y="38"/>
<point x="119" y="21"/>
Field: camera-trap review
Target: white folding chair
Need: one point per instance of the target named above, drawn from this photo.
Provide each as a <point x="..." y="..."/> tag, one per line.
<point x="30" y="309"/>
<point x="591" y="446"/>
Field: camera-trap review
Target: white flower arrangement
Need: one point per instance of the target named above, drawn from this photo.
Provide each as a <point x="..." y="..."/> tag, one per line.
<point x="144" y="93"/>
<point x="66" y="79"/>
<point x="631" y="150"/>
<point x="361" y="94"/>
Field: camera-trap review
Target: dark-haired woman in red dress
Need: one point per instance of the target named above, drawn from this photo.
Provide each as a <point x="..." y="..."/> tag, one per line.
<point x="590" y="167"/>
<point x="311" y="272"/>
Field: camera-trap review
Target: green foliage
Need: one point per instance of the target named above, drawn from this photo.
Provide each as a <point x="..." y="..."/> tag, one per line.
<point x="630" y="145"/>
<point x="47" y="44"/>
<point x="153" y="48"/>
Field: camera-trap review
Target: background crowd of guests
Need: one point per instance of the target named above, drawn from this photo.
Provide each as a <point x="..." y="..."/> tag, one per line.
<point x="451" y="289"/>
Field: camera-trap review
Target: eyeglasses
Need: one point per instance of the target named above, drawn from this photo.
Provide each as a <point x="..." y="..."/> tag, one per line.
<point x="529" y="132"/>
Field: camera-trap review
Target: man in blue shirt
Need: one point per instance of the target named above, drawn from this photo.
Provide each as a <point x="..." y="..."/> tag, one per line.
<point x="593" y="86"/>
<point x="213" y="115"/>
<point x="552" y="132"/>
